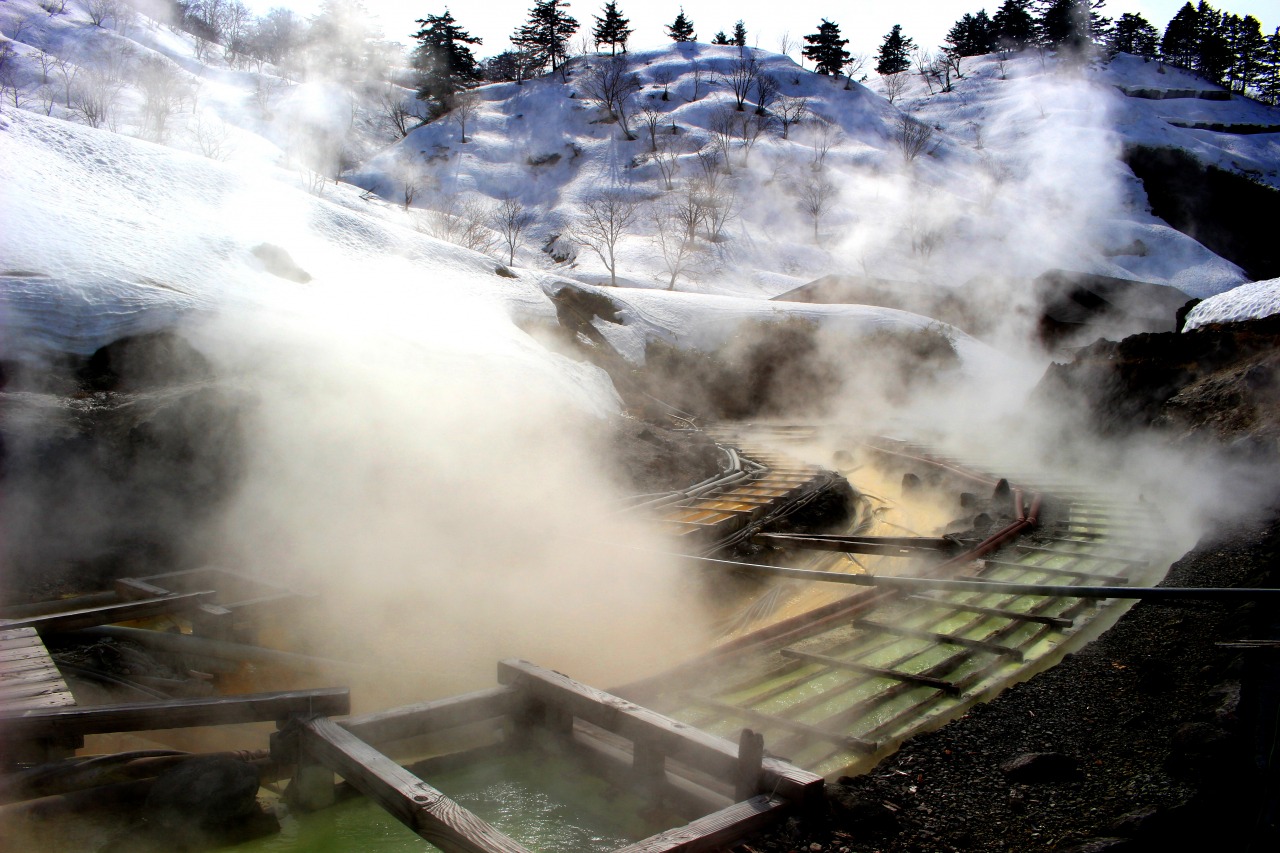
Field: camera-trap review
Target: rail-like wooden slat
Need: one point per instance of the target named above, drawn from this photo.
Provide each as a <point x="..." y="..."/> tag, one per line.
<point x="983" y="645"/>
<point x="766" y="720"/>
<point x="417" y="805"/>
<point x="1081" y="555"/>
<point x="89" y="617"/>
<point x="879" y="672"/>
<point x="1092" y="577"/>
<point x="174" y="714"/>
<point x="425" y="717"/>
<point x="640" y="725"/>
<point x="715" y="830"/>
<point x="963" y="606"/>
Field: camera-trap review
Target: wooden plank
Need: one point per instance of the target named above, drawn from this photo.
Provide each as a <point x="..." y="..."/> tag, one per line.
<point x="764" y="720"/>
<point x="1066" y="573"/>
<point x="715" y="830"/>
<point x="127" y="611"/>
<point x="174" y="714"/>
<point x="1052" y="621"/>
<point x="983" y="645"/>
<point x="417" y="805"/>
<point x="28" y="677"/>
<point x="424" y="717"/>
<point x="879" y="672"/>
<point x="640" y="725"/>
<point x="1081" y="555"/>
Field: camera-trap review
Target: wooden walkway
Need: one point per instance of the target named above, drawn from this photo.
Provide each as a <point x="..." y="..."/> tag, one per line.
<point x="29" y="680"/>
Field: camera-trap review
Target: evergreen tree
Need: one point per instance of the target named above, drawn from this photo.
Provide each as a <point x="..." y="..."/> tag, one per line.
<point x="612" y="29"/>
<point x="443" y="60"/>
<point x="681" y="29"/>
<point x="545" y="36"/>
<point x="1133" y="34"/>
<point x="894" y="55"/>
<point x="1248" y="48"/>
<point x="720" y="38"/>
<point x="1269" y="80"/>
<point x="826" y="49"/>
<point x="1213" y="53"/>
<point x="739" y="34"/>
<point x="1072" y="24"/>
<point x="1015" y="27"/>
<point x="972" y="35"/>
<point x="1179" y="46"/>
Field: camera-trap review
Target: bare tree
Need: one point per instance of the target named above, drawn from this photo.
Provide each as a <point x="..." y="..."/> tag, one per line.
<point x="97" y="97"/>
<point x="786" y="43"/>
<point x="926" y="67"/>
<point x="950" y="62"/>
<point x="463" y="107"/>
<point x="48" y="97"/>
<point x="816" y="196"/>
<point x="741" y="79"/>
<point x="651" y="117"/>
<point x="666" y="157"/>
<point x="894" y="85"/>
<point x="767" y="90"/>
<point x="720" y="203"/>
<point x="913" y="137"/>
<point x="511" y="220"/>
<point x="673" y="239"/>
<point x="696" y="72"/>
<point x="54" y="7"/>
<point x="750" y="128"/>
<point x="662" y="77"/>
<point x="724" y="130"/>
<point x="212" y="138"/>
<point x="9" y="73"/>
<point x="462" y="220"/>
<point x="100" y="10"/>
<point x="46" y="63"/>
<point x="790" y="110"/>
<point x="396" y="113"/>
<point x="67" y="72"/>
<point x="610" y="83"/>
<point x="822" y="135"/>
<point x="604" y="219"/>
<point x="159" y="81"/>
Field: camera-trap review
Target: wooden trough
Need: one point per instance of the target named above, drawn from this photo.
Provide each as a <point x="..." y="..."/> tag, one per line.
<point x="239" y="597"/>
<point x="726" y="790"/>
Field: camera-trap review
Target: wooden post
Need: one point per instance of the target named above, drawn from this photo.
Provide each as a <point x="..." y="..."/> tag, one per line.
<point x="750" y="758"/>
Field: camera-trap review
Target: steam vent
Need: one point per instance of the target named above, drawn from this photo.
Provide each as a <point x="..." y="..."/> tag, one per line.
<point x="628" y="429"/>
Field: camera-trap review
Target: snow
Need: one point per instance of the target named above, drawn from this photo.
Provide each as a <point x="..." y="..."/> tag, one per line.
<point x="1251" y="301"/>
<point x="107" y="233"/>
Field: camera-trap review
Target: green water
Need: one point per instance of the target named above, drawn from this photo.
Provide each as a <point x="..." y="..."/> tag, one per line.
<point x="547" y="802"/>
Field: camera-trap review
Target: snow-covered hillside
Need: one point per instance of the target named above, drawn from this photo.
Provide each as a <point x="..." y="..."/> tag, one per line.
<point x="126" y="217"/>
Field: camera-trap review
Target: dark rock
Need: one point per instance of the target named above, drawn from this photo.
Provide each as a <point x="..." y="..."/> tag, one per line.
<point x="910" y="483"/>
<point x="1099" y="845"/>
<point x="1198" y="745"/>
<point x="504" y="272"/>
<point x="207" y="793"/>
<point x="858" y="814"/>
<point x="1141" y="821"/>
<point x="1041" y="768"/>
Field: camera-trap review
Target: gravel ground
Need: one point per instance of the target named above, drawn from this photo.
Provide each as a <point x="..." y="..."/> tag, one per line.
<point x="1151" y="738"/>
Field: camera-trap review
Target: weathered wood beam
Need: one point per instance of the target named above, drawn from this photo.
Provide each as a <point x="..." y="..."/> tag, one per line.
<point x="786" y="724"/>
<point x="715" y="830"/>
<point x="426" y="717"/>
<point x="89" y="617"/>
<point x="417" y="805"/>
<point x="642" y="726"/>
<point x="887" y="546"/>
<point x="965" y="607"/>
<point x="174" y="714"/>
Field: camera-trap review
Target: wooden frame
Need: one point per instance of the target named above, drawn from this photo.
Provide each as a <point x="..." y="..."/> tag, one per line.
<point x="538" y="702"/>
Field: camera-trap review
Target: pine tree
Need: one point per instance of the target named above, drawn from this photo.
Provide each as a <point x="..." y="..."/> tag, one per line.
<point x="826" y="49"/>
<point x="612" y="29"/>
<point x="681" y="29"/>
<point x="1133" y="34"/>
<point x="739" y="34"/>
<point x="894" y="55"/>
<point x="1269" y="80"/>
<point x="545" y="36"/>
<point x="1072" y="25"/>
<point x="972" y="35"/>
<point x="1248" y="48"/>
<point x="1179" y="46"/>
<point x="1213" y="53"/>
<point x="720" y="38"/>
<point x="444" y="63"/>
<point x="1015" y="27"/>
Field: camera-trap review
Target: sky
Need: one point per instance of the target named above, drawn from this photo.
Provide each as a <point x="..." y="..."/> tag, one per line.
<point x="863" y="22"/>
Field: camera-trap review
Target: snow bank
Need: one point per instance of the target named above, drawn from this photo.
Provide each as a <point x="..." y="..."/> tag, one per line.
<point x="1247" y="302"/>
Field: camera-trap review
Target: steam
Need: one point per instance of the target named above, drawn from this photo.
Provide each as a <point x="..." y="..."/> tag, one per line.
<point x="435" y="476"/>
